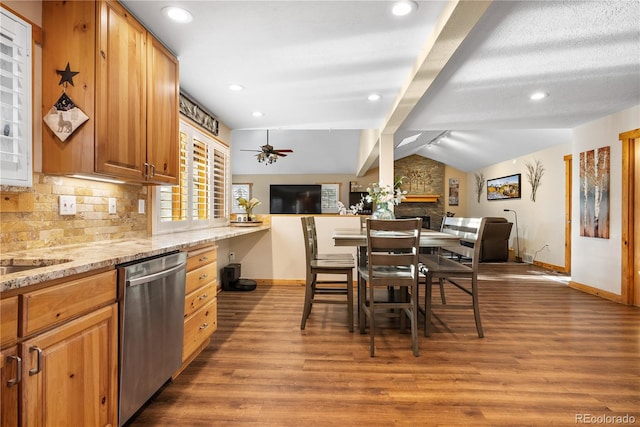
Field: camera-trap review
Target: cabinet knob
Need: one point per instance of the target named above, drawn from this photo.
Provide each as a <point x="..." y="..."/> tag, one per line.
<point x="203" y="296"/>
<point x="203" y="326"/>
<point x="204" y="276"/>
<point x="203" y="259"/>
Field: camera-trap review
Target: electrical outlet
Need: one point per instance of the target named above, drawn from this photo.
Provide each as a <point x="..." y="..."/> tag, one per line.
<point x="67" y="205"/>
<point x="232" y="256"/>
<point x="112" y="205"/>
<point x="141" y="206"/>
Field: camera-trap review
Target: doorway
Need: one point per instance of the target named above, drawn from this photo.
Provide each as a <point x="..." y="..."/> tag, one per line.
<point x="630" y="216"/>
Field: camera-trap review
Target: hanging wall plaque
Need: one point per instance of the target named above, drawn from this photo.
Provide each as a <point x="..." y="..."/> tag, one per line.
<point x="65" y="117"/>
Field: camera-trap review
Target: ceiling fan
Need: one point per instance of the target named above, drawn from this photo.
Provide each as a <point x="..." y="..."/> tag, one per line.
<point x="267" y="154"/>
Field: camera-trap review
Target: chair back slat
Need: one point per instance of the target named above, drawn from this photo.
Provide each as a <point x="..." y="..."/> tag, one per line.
<point x="308" y="229"/>
<point x="393" y="247"/>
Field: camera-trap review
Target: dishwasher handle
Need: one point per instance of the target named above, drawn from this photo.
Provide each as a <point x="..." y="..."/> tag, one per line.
<point x="151" y="277"/>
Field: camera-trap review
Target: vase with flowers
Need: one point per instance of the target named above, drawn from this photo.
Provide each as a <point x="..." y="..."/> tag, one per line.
<point x="383" y="196"/>
<point x="248" y="206"/>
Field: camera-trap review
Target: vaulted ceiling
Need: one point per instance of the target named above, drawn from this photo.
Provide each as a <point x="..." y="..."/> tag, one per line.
<point x="309" y="67"/>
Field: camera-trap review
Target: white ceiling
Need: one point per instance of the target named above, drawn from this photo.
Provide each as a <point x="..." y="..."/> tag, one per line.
<point x="309" y="66"/>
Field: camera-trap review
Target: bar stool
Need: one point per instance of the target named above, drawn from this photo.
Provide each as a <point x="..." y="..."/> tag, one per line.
<point x="392" y="250"/>
<point x="335" y="264"/>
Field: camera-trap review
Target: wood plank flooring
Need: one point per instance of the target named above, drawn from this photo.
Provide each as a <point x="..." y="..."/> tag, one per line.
<point x="550" y="354"/>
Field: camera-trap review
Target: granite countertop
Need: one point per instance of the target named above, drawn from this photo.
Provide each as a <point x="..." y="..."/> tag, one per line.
<point x="64" y="261"/>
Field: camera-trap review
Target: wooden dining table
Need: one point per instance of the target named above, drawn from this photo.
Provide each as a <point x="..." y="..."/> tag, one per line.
<point x="358" y="237"/>
<point x="429" y="239"/>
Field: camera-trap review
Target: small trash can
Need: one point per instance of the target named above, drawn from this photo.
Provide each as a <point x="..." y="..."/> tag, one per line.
<point x="231" y="280"/>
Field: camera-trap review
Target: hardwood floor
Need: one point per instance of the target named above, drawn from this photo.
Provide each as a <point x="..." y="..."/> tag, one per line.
<point x="550" y="355"/>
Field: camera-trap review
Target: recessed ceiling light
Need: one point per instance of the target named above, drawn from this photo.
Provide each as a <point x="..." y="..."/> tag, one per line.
<point x="257" y="114"/>
<point x="538" y="96"/>
<point x="236" y="87"/>
<point x="178" y="14"/>
<point x="403" y="7"/>
<point x="374" y="97"/>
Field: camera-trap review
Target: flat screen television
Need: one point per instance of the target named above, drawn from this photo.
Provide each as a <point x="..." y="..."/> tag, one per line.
<point x="295" y="199"/>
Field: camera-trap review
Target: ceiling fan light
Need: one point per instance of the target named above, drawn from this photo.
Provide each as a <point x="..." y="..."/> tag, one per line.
<point x="236" y="87"/>
<point x="257" y="114"/>
<point x="374" y="97"/>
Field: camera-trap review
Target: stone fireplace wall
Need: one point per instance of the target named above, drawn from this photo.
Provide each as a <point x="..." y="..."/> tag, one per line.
<point x="422" y="176"/>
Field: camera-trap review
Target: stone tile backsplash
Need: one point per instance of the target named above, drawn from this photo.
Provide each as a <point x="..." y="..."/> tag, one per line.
<point x="45" y="227"/>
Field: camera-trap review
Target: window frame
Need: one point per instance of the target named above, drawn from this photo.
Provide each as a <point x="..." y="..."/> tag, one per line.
<point x="23" y="174"/>
<point x="216" y="180"/>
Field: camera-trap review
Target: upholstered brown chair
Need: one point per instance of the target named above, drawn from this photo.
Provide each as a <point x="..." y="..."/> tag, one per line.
<point x="392" y="261"/>
<point x="332" y="292"/>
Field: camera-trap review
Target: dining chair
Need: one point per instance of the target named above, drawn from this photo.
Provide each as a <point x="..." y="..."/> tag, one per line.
<point x="456" y="272"/>
<point x="313" y="236"/>
<point x="392" y="261"/>
<point x="333" y="292"/>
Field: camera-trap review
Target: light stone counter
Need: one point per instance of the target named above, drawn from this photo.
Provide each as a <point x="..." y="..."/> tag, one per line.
<point x="82" y="258"/>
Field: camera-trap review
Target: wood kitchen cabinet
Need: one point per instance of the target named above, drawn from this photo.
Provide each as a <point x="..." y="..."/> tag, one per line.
<point x="59" y="356"/>
<point x="127" y="84"/>
<point x="200" y="311"/>
<point x="9" y="362"/>
<point x="70" y="373"/>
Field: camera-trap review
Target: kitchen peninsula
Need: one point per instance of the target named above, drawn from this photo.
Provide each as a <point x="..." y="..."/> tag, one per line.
<point x="81" y="258"/>
<point x="63" y="306"/>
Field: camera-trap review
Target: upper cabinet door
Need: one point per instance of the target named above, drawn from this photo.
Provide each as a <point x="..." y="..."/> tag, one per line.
<point x="162" y="113"/>
<point x="121" y="94"/>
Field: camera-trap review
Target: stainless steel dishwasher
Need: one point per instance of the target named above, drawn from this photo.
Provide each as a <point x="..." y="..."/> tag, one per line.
<point x="151" y="293"/>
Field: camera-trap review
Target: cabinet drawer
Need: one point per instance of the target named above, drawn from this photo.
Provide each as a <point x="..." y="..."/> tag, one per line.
<point x="55" y="304"/>
<point x="8" y="320"/>
<point x="199" y="327"/>
<point x="201" y="257"/>
<point x="201" y="276"/>
<point x="198" y="298"/>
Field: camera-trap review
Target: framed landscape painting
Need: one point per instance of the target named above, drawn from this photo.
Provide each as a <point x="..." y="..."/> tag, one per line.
<point x="506" y="187"/>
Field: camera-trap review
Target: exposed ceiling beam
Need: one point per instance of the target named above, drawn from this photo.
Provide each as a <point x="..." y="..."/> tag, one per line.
<point x="456" y="22"/>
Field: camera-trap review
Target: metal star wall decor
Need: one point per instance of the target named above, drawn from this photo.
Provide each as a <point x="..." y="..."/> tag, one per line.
<point x="67" y="75"/>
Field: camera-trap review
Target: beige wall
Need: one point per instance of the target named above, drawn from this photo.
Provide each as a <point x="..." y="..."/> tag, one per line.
<point x="541" y="222"/>
<point x="260" y="185"/>
<point x="596" y="262"/>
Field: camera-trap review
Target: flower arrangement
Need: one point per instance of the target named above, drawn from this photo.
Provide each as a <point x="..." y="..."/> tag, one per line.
<point x="386" y="194"/>
<point x="353" y="209"/>
<point x="248" y="205"/>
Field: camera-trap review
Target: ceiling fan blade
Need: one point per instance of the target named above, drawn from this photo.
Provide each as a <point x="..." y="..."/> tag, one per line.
<point x="281" y="155"/>
<point x="256" y="151"/>
<point x="286" y="150"/>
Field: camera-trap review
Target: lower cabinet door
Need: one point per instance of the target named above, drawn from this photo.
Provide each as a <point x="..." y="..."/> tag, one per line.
<point x="199" y="327"/>
<point x="70" y="373"/>
<point x="9" y="375"/>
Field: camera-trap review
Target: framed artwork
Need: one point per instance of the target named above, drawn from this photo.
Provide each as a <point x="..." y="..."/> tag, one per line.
<point x="239" y="190"/>
<point x="330" y="197"/>
<point x="594" y="192"/>
<point x="454" y="188"/>
<point x="506" y="187"/>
